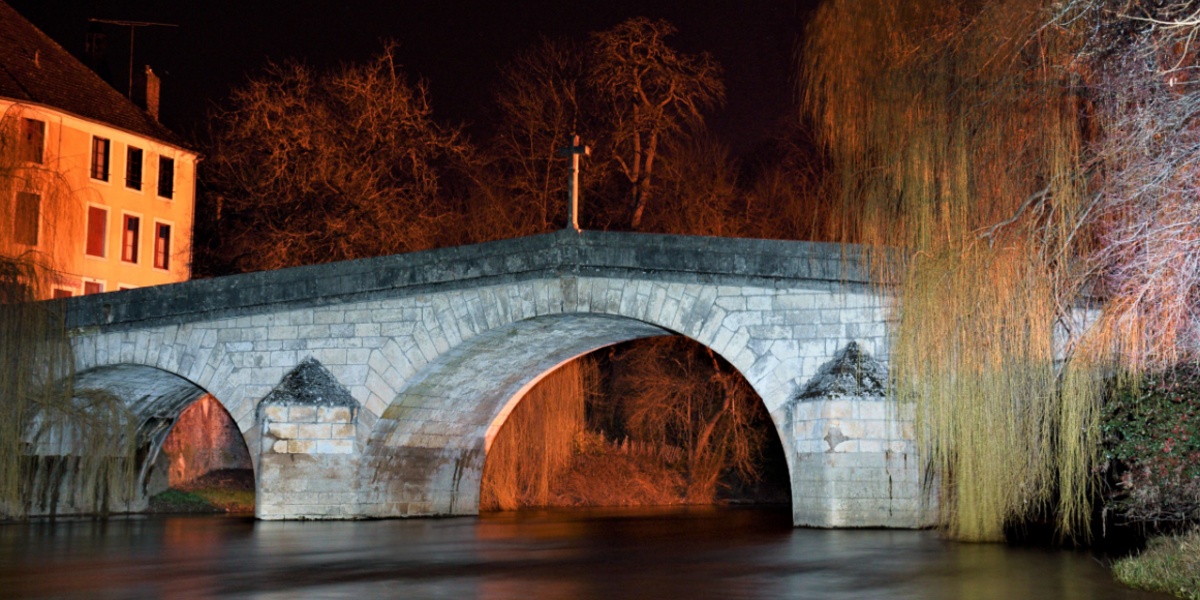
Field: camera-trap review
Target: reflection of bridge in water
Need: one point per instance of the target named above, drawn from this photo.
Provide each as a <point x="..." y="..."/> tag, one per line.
<point x="373" y="388"/>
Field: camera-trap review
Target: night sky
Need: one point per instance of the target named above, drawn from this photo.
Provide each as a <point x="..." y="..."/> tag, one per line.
<point x="457" y="45"/>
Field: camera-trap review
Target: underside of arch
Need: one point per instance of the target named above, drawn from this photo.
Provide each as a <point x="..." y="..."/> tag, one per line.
<point x="155" y="399"/>
<point x="427" y="452"/>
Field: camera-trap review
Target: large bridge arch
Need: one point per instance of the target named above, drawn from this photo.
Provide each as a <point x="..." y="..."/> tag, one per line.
<point x="427" y="452"/>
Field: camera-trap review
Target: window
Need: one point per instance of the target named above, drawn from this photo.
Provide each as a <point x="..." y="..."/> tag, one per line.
<point x="162" y="246"/>
<point x="63" y="293"/>
<point x="33" y="140"/>
<point x="166" y="177"/>
<point x="100" y="148"/>
<point x="27" y="218"/>
<point x="97" y="230"/>
<point x="93" y="287"/>
<point x="130" y="233"/>
<point x="133" y="168"/>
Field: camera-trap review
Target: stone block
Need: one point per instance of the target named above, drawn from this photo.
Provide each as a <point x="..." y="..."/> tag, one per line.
<point x="302" y="414"/>
<point x="283" y="431"/>
<point x="276" y="413"/>
<point x="333" y="414"/>
<point x="837" y="409"/>
<point x="301" y="446"/>
<point x="318" y="431"/>
<point x="335" y="447"/>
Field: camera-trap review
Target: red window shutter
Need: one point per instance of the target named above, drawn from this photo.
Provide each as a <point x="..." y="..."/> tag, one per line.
<point x="97" y="230"/>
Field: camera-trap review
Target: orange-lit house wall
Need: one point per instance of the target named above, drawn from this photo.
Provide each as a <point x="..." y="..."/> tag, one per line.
<point x="68" y="152"/>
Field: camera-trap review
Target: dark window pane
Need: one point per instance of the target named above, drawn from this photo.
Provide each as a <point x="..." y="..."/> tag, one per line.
<point x="33" y="140"/>
<point x="100" y="158"/>
<point x="166" y="177"/>
<point x="133" y="168"/>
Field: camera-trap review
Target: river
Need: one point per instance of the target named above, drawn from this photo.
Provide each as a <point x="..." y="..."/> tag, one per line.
<point x="576" y="554"/>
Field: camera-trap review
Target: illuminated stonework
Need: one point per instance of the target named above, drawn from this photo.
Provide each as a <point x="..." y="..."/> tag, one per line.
<point x="434" y="347"/>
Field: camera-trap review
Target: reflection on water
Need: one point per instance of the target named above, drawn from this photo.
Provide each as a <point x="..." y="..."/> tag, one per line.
<point x="696" y="553"/>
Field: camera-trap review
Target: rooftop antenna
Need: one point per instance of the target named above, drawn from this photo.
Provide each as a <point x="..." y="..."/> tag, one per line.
<point x="132" y="25"/>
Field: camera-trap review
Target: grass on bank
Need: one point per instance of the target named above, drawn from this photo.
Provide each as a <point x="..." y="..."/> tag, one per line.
<point x="1169" y="564"/>
<point x="226" y="490"/>
<point x="203" y="501"/>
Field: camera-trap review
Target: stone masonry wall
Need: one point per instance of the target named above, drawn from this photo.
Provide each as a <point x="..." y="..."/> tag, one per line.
<point x="777" y="311"/>
<point x="309" y="447"/>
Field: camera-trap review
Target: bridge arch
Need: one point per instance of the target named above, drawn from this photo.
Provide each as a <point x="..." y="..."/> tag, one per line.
<point x="155" y="399"/>
<point x="427" y="451"/>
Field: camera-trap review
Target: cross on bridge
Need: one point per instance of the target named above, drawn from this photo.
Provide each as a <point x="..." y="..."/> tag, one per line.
<point x="574" y="151"/>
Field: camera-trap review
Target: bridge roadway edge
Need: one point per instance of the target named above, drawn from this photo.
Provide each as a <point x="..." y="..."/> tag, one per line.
<point x="729" y="261"/>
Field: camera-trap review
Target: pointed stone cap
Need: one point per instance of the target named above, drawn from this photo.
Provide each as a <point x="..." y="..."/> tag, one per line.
<point x="853" y="373"/>
<point x="310" y="384"/>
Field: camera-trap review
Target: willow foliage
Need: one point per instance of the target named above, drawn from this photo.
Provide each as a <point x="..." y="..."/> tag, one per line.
<point x="536" y="443"/>
<point x="957" y="139"/>
<point x="58" y="447"/>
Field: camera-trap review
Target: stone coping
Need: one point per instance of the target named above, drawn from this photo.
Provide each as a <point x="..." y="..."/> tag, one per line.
<point x="562" y="253"/>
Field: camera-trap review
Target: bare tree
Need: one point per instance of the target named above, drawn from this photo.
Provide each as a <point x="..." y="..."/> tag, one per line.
<point x="314" y="167"/>
<point x="652" y="91"/>
<point x="679" y="394"/>
<point x="539" y="105"/>
<point x="1141" y="62"/>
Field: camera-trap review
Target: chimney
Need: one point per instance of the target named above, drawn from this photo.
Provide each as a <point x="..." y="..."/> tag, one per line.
<point x="152" y="87"/>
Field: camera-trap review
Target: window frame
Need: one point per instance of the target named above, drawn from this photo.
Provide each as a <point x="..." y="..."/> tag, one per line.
<point x="98" y="282"/>
<point x="139" y="183"/>
<point x="96" y="170"/>
<point x="137" y="242"/>
<point x="167" y="259"/>
<point x="170" y="189"/>
<point x="88" y="231"/>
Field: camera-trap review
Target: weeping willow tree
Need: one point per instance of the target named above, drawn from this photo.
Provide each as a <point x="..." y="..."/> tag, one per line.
<point x="955" y="128"/>
<point x="58" y="446"/>
<point x="537" y="441"/>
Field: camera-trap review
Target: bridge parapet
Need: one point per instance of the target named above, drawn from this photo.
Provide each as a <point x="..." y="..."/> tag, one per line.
<point x="727" y="261"/>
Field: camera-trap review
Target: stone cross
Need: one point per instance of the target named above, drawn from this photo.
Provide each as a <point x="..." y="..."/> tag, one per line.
<point x="573" y="152"/>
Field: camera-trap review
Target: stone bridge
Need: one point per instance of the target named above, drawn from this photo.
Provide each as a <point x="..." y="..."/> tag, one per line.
<point x="374" y="388"/>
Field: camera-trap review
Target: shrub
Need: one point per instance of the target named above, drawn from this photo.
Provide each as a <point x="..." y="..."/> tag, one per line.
<point x="1152" y="447"/>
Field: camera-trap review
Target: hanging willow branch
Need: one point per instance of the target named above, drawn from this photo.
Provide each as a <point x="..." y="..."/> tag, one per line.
<point x="59" y="448"/>
<point x="955" y="129"/>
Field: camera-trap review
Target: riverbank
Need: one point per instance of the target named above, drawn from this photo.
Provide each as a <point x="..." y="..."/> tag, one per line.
<point x="227" y="490"/>
<point x="1169" y="564"/>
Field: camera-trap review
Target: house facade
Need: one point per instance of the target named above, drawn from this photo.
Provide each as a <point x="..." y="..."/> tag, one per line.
<point x="96" y="188"/>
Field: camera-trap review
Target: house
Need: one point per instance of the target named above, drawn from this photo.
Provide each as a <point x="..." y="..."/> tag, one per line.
<point x="90" y="182"/>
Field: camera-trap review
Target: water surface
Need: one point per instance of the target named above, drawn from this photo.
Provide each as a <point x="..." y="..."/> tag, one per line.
<point x="578" y="554"/>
